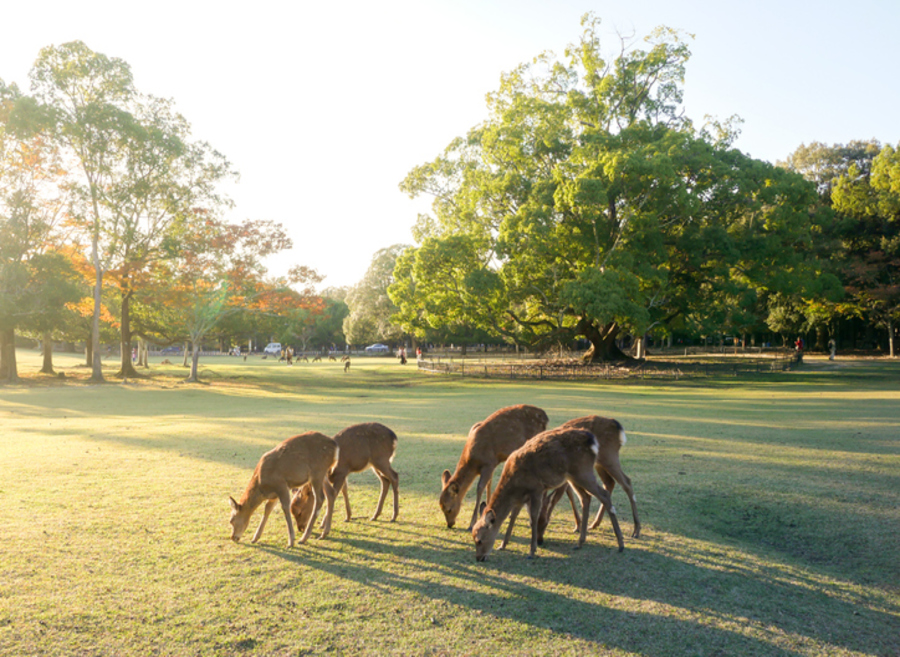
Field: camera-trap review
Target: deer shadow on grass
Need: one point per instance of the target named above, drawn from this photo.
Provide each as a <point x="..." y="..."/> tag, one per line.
<point x="639" y="600"/>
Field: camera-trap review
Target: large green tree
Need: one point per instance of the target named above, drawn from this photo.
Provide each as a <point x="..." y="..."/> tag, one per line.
<point x="871" y="202"/>
<point x="586" y="204"/>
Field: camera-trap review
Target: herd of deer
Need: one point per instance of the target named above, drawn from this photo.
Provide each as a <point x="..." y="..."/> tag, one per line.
<point x="539" y="467"/>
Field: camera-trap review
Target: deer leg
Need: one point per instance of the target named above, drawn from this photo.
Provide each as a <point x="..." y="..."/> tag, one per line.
<point x="385" y="485"/>
<point x="262" y="523"/>
<point x="608" y="483"/>
<point x="548" y="503"/>
<point x="330" y="493"/>
<point x="571" y="497"/>
<point x="615" y="471"/>
<point x="535" y="503"/>
<point x="585" y="511"/>
<point x="338" y="480"/>
<point x="395" y="484"/>
<point x="594" y="488"/>
<point x="285" y="497"/>
<point x="346" y="493"/>
<point x="483" y="480"/>
<point x="512" y="521"/>
<point x="318" y="495"/>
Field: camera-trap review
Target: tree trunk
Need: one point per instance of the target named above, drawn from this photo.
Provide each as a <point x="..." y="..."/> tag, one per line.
<point x="88" y="352"/>
<point x="603" y="342"/>
<point x="9" y="372"/>
<point x="890" y="329"/>
<point x="96" y="364"/>
<point x="186" y="352"/>
<point x="127" y="367"/>
<point x="47" y="349"/>
<point x="194" y="376"/>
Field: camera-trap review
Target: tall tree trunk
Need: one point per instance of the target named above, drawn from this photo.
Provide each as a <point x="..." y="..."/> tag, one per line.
<point x="186" y="352"/>
<point x="88" y="352"/>
<point x="603" y="342"/>
<point x="47" y="349"/>
<point x="9" y="372"/>
<point x="127" y="367"/>
<point x="96" y="364"/>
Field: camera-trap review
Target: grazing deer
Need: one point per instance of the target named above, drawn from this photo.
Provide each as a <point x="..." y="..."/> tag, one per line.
<point x="332" y="358"/>
<point x="317" y="358"/>
<point x="361" y="446"/>
<point x="347" y="365"/>
<point x="303" y="358"/>
<point x="545" y="462"/>
<point x="300" y="459"/>
<point x="610" y="438"/>
<point x="345" y="358"/>
<point x="489" y="443"/>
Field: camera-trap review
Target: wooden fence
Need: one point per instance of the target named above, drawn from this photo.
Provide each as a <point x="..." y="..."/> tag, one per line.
<point x="651" y="369"/>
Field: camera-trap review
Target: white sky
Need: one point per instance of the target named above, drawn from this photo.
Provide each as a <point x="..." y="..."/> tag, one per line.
<point x="323" y="107"/>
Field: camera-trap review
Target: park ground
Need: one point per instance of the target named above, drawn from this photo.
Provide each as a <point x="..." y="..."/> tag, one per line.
<point x="770" y="508"/>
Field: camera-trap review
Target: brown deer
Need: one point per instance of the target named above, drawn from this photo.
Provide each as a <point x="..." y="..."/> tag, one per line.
<point x="545" y="462"/>
<point x="611" y="438"/>
<point x="317" y="358"/>
<point x="361" y="446"/>
<point x="489" y="443"/>
<point x="300" y="459"/>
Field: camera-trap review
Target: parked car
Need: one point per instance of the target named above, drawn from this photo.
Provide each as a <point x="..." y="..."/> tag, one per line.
<point x="377" y="348"/>
<point x="273" y="348"/>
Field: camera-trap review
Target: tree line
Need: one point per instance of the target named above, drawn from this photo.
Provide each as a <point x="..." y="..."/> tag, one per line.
<point x="586" y="206"/>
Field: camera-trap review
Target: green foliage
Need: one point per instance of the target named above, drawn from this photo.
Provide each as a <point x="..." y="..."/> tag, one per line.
<point x="586" y="204"/>
<point x="370" y="307"/>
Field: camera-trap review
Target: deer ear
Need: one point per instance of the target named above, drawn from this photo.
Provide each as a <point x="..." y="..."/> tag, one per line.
<point x="482" y="508"/>
<point x="445" y="477"/>
<point x="234" y="505"/>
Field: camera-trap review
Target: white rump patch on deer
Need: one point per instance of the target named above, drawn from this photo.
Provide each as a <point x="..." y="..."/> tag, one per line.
<point x="595" y="447"/>
<point x="622" y="438"/>
<point x="612" y="510"/>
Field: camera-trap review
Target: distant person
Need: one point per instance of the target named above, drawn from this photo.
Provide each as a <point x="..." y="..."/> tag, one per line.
<point x="832" y="347"/>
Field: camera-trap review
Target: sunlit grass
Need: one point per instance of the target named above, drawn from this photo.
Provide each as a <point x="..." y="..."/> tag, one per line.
<point x="770" y="511"/>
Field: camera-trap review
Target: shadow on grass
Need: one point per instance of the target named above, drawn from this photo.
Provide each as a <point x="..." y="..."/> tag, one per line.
<point x="639" y="601"/>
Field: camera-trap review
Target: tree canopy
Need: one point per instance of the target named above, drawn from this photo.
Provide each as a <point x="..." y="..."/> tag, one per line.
<point x="587" y="204"/>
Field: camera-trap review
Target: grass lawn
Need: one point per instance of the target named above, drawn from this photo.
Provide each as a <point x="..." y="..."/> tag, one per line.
<point x="770" y="509"/>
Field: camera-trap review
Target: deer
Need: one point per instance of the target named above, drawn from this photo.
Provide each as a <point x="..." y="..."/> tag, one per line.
<point x="332" y="358"/>
<point x="488" y="444"/>
<point x="545" y="462"/>
<point x="611" y="438"/>
<point x="317" y="358"/>
<point x="301" y="459"/>
<point x="346" y="365"/>
<point x="361" y="446"/>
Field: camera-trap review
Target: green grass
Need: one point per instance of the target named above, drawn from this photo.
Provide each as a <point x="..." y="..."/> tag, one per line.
<point x="770" y="510"/>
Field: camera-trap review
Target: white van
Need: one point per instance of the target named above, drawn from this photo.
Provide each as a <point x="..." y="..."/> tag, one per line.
<point x="273" y="348"/>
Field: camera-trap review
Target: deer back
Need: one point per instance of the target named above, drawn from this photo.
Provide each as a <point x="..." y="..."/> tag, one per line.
<point x="504" y="431"/>
<point x="609" y="432"/>
<point x="301" y="458"/>
<point x="363" y="444"/>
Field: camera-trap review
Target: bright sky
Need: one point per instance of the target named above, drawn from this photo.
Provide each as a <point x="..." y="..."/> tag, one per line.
<point x="323" y="107"/>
